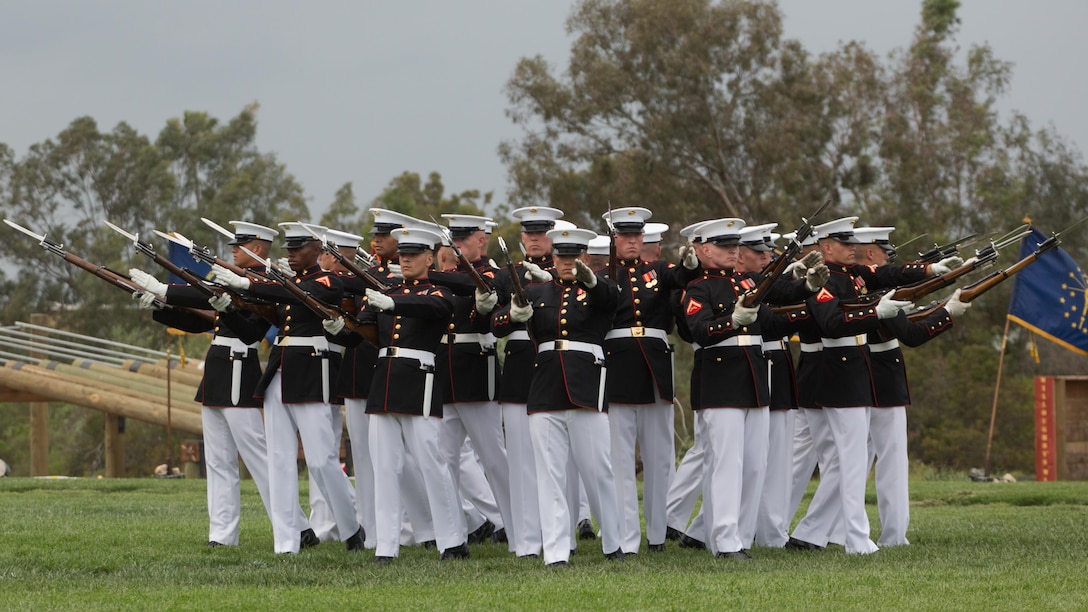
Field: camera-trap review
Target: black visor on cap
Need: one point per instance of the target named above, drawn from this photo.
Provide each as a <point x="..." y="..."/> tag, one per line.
<point x="723" y="240"/>
<point x="537" y="225"/>
<point x="384" y="228"/>
<point x="297" y="242"/>
<point x="629" y="227"/>
<point x="412" y="247"/>
<point x="463" y="232"/>
<point x="243" y="238"/>
<point x="568" y="248"/>
<point x="844" y="237"/>
<point x="760" y="246"/>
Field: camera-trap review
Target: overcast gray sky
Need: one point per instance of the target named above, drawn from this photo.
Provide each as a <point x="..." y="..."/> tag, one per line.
<point x="361" y="91"/>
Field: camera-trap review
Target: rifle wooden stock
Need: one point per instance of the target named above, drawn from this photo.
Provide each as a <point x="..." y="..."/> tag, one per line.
<point x="915" y="292"/>
<point x="976" y="289"/>
<point x="125" y="283"/>
<point x="778" y="266"/>
<point x="350" y="266"/>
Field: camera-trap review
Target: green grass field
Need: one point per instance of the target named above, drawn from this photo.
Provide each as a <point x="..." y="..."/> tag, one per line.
<point x="86" y="544"/>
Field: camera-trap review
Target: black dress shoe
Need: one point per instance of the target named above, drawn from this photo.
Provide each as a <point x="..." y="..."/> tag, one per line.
<point x="739" y="555"/>
<point x="615" y="555"/>
<point x="483" y="532"/>
<point x="687" y="541"/>
<point x="585" y="530"/>
<point x="214" y="544"/>
<point x="559" y="564"/>
<point x="795" y="544"/>
<point x="355" y="542"/>
<point x="429" y="544"/>
<point x="499" y="537"/>
<point x="457" y="552"/>
<point x="673" y="534"/>
<point x="383" y="560"/>
<point x="529" y="556"/>
<point x="308" y="539"/>
<point x="657" y="547"/>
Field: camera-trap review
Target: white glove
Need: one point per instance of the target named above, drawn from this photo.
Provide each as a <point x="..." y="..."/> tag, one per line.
<point x="145" y="300"/>
<point x="742" y="315"/>
<point x="147" y="281"/>
<point x="955" y="307"/>
<point x="285" y="267"/>
<point x="379" y="300"/>
<point x="584" y="274"/>
<point x="534" y="273"/>
<point x="221" y="302"/>
<point x="485" y="302"/>
<point x="333" y="326"/>
<point x="796" y="270"/>
<point x="521" y="314"/>
<point x="492" y="263"/>
<point x="688" y="257"/>
<point x="946" y="265"/>
<point x="816" y="277"/>
<point x="229" y="278"/>
<point x="889" y="307"/>
<point x="812" y="259"/>
<point x="394" y="271"/>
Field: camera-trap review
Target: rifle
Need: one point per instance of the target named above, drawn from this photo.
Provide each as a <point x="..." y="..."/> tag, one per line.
<point x="350" y="266"/>
<point x="519" y="289"/>
<point x="983" y="258"/>
<point x="477" y="278"/>
<point x="116" y="279"/>
<point x="265" y="310"/>
<point x="613" y="258"/>
<point x="939" y="252"/>
<point x="778" y="266"/>
<point x="976" y="289"/>
<point x="368" y="331"/>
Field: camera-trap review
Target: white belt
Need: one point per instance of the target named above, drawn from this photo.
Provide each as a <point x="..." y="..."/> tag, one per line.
<point x="773" y="345"/>
<point x="321" y="345"/>
<point x="637" y="332"/>
<point x="426" y="363"/>
<point x="571" y="345"/>
<point x="742" y="340"/>
<point x="520" y="334"/>
<point x="880" y="347"/>
<point x="238" y="352"/>
<point x="424" y="357"/>
<point x="858" y="340"/>
<point x="811" y="347"/>
<point x="487" y="341"/>
<point x="234" y="344"/>
<point x="317" y="342"/>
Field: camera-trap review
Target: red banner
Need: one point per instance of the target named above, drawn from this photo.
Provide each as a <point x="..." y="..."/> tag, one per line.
<point x="1046" y="444"/>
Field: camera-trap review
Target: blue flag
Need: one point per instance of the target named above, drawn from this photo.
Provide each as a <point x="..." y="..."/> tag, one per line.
<point x="1049" y="298"/>
<point x="182" y="258"/>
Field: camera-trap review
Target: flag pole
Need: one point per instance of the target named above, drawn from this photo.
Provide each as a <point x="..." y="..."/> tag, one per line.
<point x="997" y="387"/>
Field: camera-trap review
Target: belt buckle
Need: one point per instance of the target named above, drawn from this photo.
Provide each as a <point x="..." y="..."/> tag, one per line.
<point x="859" y="339"/>
<point x="638" y="332"/>
<point x="561" y="345"/>
<point x="392" y="351"/>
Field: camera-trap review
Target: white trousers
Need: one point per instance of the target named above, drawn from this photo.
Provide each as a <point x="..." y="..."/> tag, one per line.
<point x="773" y="522"/>
<point x="322" y="520"/>
<point x="358" y="424"/>
<point x="481" y="423"/>
<point x="652" y="426"/>
<point x="556" y="436"/>
<point x="888" y="443"/>
<point x="687" y="483"/>
<point x="524" y="505"/>
<point x="734" y="467"/>
<point x="843" y="482"/>
<point x="229" y="432"/>
<point x="477" y="501"/>
<point x="804" y="459"/>
<point x="312" y="422"/>
<point x="390" y="437"/>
